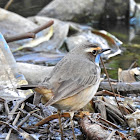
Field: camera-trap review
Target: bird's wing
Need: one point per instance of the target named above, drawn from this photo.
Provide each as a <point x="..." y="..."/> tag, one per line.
<point x="72" y="76"/>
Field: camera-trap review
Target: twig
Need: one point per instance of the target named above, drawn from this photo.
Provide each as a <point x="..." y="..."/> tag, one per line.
<point x="112" y="90"/>
<point x="106" y="92"/>
<point x="20" y="37"/>
<point x="27" y="117"/>
<point x="122" y="87"/>
<point x="12" y="112"/>
<point x="30" y="34"/>
<point x="131" y="107"/>
<point x="24" y="120"/>
<point x="37" y="41"/>
<point x="7" y="111"/>
<point x="37" y="116"/>
<point x="51" y="22"/>
<point x="110" y="123"/>
<point x="14" y="122"/>
<point x="8" y="4"/>
<point x="115" y="116"/>
<point x="134" y="64"/>
<point x="3" y="126"/>
<point x="52" y="117"/>
<point x="10" y="116"/>
<point x="55" y="116"/>
<point x="24" y="134"/>
<point x="6" y="107"/>
<point x="111" y="135"/>
<point x="122" y="135"/>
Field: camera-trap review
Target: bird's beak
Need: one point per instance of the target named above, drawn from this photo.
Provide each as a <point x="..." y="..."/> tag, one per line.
<point x="103" y="50"/>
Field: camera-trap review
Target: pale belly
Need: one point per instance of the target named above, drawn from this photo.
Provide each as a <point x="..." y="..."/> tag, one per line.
<point x="79" y="100"/>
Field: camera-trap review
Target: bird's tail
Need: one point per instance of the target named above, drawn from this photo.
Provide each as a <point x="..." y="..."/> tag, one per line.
<point x="26" y="87"/>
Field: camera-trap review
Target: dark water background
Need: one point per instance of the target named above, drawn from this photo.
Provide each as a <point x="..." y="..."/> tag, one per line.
<point x="130" y="36"/>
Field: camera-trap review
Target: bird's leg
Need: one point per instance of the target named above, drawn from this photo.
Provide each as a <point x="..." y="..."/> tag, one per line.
<point x="72" y="124"/>
<point x="60" y="124"/>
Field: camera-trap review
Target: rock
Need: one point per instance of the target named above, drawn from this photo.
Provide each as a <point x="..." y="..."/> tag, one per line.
<point x="88" y="11"/>
<point x="34" y="74"/>
<point x="74" y="10"/>
<point x="13" y="24"/>
<point x="25" y="7"/>
<point x="60" y="30"/>
<point x="91" y="130"/>
<point x="104" y="43"/>
<point x="115" y="10"/>
<point x="41" y="58"/>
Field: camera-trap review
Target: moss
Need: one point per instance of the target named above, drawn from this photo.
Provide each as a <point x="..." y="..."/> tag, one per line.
<point x="124" y="60"/>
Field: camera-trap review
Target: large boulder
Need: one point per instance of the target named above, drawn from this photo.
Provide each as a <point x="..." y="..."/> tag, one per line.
<point x="13" y="24"/>
<point x="87" y="11"/>
<point x="25" y="7"/>
<point x="74" y="10"/>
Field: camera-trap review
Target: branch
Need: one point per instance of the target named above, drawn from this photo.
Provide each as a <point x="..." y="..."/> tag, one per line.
<point x="121" y="86"/>
<point x="8" y="4"/>
<point x="30" y="34"/>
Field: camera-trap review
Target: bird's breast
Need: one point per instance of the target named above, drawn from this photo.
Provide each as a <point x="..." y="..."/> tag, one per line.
<point x="79" y="100"/>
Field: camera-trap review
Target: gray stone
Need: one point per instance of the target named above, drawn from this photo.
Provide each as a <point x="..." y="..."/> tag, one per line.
<point x="34" y="74"/>
<point x="25" y="7"/>
<point x="60" y="30"/>
<point x="13" y="24"/>
<point x="74" y="10"/>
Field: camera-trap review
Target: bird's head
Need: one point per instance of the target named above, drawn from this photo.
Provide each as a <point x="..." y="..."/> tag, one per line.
<point x="94" y="52"/>
<point x="94" y="49"/>
<point x="91" y="51"/>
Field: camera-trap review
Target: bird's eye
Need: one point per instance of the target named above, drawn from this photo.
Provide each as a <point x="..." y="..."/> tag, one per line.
<point x="94" y="52"/>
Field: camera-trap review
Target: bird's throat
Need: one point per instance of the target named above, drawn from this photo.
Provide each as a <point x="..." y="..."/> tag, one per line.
<point x="97" y="59"/>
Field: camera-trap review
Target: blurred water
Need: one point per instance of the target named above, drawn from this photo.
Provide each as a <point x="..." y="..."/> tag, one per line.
<point x="130" y="36"/>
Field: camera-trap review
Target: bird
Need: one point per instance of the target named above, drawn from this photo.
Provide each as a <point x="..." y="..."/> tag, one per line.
<point x="75" y="78"/>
